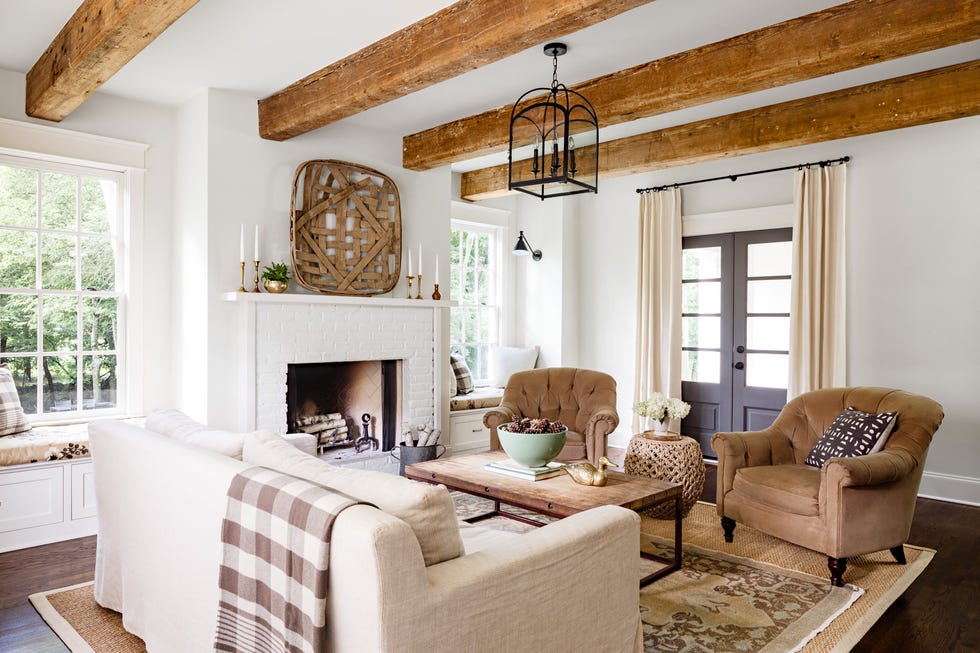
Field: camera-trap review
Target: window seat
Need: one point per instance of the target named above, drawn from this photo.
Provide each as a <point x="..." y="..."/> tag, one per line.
<point x="482" y="397"/>
<point x="44" y="444"/>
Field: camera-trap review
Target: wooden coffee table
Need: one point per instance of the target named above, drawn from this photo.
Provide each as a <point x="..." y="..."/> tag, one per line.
<point x="558" y="496"/>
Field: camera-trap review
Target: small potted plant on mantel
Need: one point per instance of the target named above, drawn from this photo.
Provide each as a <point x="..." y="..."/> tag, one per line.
<point x="276" y="277"/>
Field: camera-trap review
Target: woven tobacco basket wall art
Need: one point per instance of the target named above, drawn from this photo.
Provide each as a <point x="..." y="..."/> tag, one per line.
<point x="346" y="229"/>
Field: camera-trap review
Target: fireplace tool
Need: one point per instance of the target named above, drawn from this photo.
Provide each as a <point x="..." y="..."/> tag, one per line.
<point x="366" y="440"/>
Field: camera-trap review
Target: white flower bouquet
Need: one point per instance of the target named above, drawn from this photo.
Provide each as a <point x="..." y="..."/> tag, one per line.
<point x="661" y="408"/>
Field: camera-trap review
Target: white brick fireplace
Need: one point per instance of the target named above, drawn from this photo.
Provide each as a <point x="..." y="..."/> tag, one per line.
<point x="277" y="330"/>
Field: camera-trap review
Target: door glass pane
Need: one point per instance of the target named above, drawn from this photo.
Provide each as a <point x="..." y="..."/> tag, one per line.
<point x="771" y="296"/>
<point x="702" y="366"/>
<point x="98" y="382"/>
<point x="702" y="263"/>
<point x="59" y="379"/>
<point x="58" y="200"/>
<point x="766" y="370"/>
<point x="18" y="323"/>
<point x="701" y="332"/>
<point x="770" y="259"/>
<point x="767" y="333"/>
<point x="18" y="197"/>
<point x="702" y="297"/>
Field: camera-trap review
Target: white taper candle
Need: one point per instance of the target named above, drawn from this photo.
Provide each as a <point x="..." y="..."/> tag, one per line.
<point x="241" y="244"/>
<point x="410" y="263"/>
<point x="257" y="243"/>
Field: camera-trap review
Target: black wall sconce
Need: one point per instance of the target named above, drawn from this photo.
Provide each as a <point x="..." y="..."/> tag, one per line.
<point x="523" y="248"/>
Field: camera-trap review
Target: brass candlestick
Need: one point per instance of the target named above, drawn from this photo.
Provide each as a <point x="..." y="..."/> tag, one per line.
<point x="241" y="288"/>
<point x="256" y="288"/>
<point x="409" y="277"/>
<point x="435" y="293"/>
<point x="419" y="295"/>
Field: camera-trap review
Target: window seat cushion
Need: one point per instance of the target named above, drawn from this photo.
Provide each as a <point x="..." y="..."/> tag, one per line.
<point x="482" y="397"/>
<point x="48" y="443"/>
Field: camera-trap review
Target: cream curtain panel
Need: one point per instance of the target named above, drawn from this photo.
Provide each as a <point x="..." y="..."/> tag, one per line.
<point x="658" y="297"/>
<point x="817" y="345"/>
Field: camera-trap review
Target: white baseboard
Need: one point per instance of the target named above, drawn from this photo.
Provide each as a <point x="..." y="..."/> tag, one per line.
<point x="949" y="487"/>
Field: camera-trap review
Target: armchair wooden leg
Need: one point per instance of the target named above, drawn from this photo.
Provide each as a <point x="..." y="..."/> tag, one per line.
<point x="728" y="524"/>
<point x="899" y="554"/>
<point x="837" y="567"/>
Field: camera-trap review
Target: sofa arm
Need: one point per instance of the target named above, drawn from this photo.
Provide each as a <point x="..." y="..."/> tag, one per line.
<point x="885" y="466"/>
<point x="494" y="417"/>
<point x="548" y="576"/>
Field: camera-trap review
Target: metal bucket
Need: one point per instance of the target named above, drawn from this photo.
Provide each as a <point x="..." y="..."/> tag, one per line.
<point x="411" y="455"/>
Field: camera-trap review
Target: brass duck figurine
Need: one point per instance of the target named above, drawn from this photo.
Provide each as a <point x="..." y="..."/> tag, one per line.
<point x="586" y="474"/>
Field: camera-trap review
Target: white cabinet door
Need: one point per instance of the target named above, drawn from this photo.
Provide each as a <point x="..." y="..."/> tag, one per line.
<point x="82" y="491"/>
<point x="468" y="432"/>
<point x="31" y="497"/>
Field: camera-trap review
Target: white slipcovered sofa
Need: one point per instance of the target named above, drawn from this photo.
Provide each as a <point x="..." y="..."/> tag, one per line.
<point x="569" y="586"/>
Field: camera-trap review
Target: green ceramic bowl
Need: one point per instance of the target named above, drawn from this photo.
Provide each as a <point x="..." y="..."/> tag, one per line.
<point x="531" y="449"/>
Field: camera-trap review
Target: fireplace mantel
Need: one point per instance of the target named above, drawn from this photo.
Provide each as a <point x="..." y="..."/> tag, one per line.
<point x="301" y="298"/>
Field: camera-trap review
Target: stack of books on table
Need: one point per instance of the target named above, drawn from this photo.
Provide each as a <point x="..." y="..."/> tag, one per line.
<point x="510" y="468"/>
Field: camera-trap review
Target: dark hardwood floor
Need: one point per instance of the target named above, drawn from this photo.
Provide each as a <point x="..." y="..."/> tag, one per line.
<point x="938" y="613"/>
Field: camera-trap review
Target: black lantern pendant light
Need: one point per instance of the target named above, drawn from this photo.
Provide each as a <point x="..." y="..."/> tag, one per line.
<point x="546" y="129"/>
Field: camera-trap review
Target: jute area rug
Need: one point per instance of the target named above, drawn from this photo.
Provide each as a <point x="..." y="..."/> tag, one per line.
<point x="756" y="595"/>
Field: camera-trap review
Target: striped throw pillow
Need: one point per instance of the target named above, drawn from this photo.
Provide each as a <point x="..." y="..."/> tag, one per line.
<point x="464" y="380"/>
<point x="12" y="418"/>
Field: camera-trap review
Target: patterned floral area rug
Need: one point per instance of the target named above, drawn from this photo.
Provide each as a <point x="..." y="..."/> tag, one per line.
<point x="759" y="595"/>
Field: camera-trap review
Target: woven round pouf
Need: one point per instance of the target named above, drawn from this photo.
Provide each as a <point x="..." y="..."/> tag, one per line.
<point x="675" y="461"/>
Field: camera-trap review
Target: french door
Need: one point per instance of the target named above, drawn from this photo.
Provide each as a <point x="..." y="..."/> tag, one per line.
<point x="735" y="324"/>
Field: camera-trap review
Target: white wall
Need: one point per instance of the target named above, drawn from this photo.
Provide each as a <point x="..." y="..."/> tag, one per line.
<point x="913" y="270"/>
<point x="547" y="295"/>
<point x="105" y="115"/>
<point x="249" y="181"/>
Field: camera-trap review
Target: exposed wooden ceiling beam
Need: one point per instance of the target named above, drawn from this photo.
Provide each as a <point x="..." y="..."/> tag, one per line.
<point x="839" y="38"/>
<point x="921" y="98"/>
<point x="98" y="40"/>
<point x="462" y="37"/>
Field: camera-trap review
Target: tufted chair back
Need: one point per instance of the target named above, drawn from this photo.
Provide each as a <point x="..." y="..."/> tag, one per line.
<point x="804" y="420"/>
<point x="584" y="400"/>
<point x="566" y="393"/>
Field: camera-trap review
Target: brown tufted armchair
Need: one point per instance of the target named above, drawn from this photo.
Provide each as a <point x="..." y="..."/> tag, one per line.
<point x="850" y="506"/>
<point x="584" y="400"/>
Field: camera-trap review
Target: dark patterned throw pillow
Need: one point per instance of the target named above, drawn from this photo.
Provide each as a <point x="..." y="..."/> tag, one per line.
<point x="464" y="380"/>
<point x="852" y="433"/>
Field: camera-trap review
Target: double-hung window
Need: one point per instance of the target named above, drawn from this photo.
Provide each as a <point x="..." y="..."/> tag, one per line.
<point x="61" y="287"/>
<point x="475" y="277"/>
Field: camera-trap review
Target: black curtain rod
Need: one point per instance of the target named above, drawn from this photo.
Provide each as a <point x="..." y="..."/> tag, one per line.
<point x="799" y="166"/>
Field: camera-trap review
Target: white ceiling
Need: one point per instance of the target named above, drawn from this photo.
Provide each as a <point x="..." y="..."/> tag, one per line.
<point x="257" y="47"/>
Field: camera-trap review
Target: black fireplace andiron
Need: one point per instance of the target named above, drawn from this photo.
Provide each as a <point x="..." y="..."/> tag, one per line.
<point x="366" y="440"/>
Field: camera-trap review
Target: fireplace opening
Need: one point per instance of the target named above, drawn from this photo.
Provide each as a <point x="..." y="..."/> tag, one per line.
<point x="345" y="404"/>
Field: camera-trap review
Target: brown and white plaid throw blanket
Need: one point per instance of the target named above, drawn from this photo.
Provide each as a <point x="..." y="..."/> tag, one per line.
<point x="275" y="555"/>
